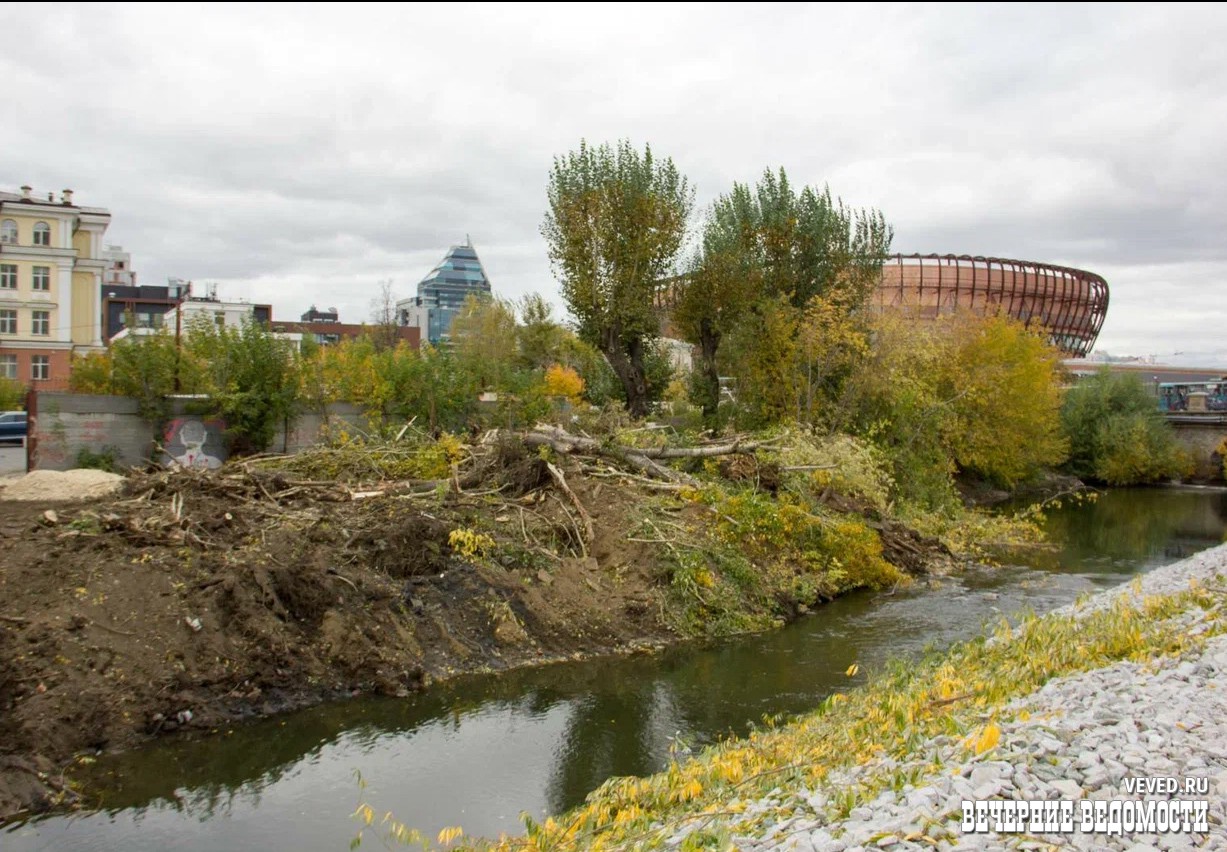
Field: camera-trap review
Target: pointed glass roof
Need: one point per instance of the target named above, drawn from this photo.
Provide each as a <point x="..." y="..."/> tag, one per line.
<point x="460" y="267"/>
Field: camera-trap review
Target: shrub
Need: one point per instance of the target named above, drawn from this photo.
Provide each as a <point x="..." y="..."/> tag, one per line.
<point x="1117" y="434"/>
<point x="967" y="393"/>
<point x="12" y="394"/>
<point x="846" y="464"/>
<point x="1137" y="447"/>
<point x="564" y="382"/>
<point x="105" y="459"/>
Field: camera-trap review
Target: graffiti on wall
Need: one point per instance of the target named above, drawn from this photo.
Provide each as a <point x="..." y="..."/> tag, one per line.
<point x="193" y="442"/>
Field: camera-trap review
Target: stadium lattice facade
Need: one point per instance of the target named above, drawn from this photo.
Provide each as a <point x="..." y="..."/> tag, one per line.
<point x="1070" y="304"/>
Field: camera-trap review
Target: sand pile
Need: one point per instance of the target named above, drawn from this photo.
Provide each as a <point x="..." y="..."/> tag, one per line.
<point x="53" y="485"/>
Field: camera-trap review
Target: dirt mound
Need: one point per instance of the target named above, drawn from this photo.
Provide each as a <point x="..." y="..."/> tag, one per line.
<point x="59" y="485"/>
<point x="196" y="598"/>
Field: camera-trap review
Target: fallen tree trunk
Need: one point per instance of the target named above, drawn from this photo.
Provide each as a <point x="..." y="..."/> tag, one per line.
<point x="564" y="443"/>
<point x="704" y="452"/>
<point x="643" y="460"/>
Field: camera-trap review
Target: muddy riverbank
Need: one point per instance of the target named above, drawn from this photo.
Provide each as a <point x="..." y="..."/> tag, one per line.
<point x="192" y="601"/>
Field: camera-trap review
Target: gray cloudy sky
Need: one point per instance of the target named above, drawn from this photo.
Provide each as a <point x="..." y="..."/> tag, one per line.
<point x="302" y="154"/>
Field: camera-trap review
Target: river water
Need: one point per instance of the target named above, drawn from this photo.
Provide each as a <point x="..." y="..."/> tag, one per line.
<point x="477" y="751"/>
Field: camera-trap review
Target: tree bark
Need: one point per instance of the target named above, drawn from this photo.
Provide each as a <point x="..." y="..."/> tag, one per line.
<point x="563" y="442"/>
<point x="626" y="359"/>
<point x="704" y="452"/>
<point x="709" y="342"/>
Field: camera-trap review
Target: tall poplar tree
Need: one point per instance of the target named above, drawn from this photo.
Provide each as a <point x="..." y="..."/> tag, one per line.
<point x="774" y="245"/>
<point x="615" y="226"/>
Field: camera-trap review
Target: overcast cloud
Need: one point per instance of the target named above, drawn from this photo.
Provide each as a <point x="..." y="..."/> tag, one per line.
<point x="299" y="155"/>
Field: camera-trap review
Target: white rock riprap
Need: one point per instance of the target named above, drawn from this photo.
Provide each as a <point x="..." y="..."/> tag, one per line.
<point x="1085" y="734"/>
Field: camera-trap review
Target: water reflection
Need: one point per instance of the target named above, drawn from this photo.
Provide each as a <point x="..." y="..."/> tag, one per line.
<point x="1153" y="525"/>
<point x="478" y="751"/>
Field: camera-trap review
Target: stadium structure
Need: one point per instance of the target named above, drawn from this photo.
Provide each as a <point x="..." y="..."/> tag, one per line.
<point x="1069" y="304"/>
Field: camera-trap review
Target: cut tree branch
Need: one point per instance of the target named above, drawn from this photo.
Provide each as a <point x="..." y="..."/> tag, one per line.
<point x="561" y="482"/>
<point x="564" y="443"/>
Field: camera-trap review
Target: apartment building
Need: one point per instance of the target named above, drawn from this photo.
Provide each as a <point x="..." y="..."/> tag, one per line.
<point x="119" y="271"/>
<point x="144" y="305"/>
<point x="51" y="268"/>
<point x="326" y="329"/>
<point x="176" y="306"/>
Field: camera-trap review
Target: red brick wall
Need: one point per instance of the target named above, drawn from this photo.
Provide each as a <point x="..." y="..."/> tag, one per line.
<point x="409" y="334"/>
<point x="61" y="367"/>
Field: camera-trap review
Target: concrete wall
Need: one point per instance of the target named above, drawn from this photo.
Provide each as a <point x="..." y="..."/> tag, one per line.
<point x="1203" y="440"/>
<point x="309" y="427"/>
<point x="62" y="424"/>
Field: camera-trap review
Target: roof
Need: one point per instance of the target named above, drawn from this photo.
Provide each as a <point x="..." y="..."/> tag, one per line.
<point x="35" y="201"/>
<point x="1156" y="372"/>
<point x="459" y="267"/>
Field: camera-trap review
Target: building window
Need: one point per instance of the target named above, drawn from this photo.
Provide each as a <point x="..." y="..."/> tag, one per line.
<point x="8" y="276"/>
<point x="41" y="323"/>
<point x="40" y="367"/>
<point x="8" y="321"/>
<point x="42" y="234"/>
<point x="8" y="231"/>
<point x="42" y="278"/>
<point x="8" y="367"/>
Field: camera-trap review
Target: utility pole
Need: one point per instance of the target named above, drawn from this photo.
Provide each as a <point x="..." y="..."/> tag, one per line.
<point x="178" y="335"/>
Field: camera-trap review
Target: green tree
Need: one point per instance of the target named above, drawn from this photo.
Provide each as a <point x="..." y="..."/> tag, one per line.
<point x="1117" y="434"/>
<point x="601" y="384"/>
<point x="252" y="378"/>
<point x="892" y="398"/>
<point x="765" y="251"/>
<point x="657" y="369"/>
<point x="724" y="279"/>
<point x="146" y="367"/>
<point x="12" y="394"/>
<point x="832" y="342"/>
<point x="614" y="227"/>
<point x="483" y="338"/>
<point x="766" y="351"/>
<point x="808" y="242"/>
<point x="542" y="339"/>
<point x="433" y="384"/>
<point x="1002" y="383"/>
<point x="91" y="373"/>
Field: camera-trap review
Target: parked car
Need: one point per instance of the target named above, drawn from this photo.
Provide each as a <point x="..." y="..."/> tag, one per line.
<point x="12" y="427"/>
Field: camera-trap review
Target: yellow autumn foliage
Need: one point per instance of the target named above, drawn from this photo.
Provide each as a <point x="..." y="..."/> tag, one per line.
<point x="986" y="739"/>
<point x="894" y="716"/>
<point x="564" y="382"/>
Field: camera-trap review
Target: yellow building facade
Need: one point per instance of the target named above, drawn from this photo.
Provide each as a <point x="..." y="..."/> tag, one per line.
<point x="51" y="269"/>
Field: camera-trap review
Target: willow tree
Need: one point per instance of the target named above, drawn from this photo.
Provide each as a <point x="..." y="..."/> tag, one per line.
<point x="722" y="283"/>
<point x="615" y="226"/>
<point x="540" y="336"/>
<point x="767" y="248"/>
<point x="483" y="337"/>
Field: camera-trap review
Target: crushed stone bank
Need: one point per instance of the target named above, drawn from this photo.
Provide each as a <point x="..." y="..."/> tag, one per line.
<point x="1086" y="733"/>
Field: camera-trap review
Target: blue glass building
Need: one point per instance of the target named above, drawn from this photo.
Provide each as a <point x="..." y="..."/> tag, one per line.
<point x="442" y="293"/>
